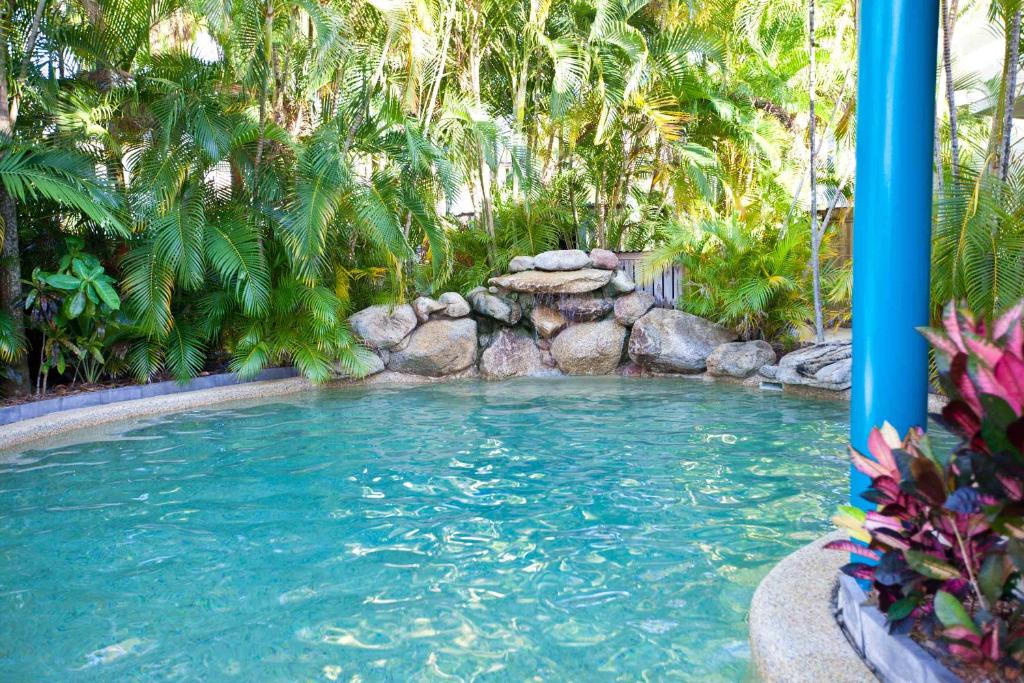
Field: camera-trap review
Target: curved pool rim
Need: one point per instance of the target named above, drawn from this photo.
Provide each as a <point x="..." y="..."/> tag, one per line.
<point x="60" y="423"/>
<point x="17" y="435"/>
<point x="794" y="637"/>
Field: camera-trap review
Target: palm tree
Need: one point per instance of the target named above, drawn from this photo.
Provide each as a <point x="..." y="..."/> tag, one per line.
<point x="44" y="168"/>
<point x="949" y="15"/>
<point x="817" y="232"/>
<point x="1010" y="87"/>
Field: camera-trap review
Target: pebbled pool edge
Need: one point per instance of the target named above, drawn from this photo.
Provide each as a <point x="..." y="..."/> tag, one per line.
<point x="16" y="434"/>
<point x="794" y="637"/>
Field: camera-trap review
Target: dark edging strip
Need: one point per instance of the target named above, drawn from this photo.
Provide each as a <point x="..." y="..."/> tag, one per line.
<point x="894" y="658"/>
<point x="27" y="411"/>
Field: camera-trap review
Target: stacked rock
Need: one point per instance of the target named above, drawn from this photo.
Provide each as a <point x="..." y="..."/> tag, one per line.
<point x="573" y="313"/>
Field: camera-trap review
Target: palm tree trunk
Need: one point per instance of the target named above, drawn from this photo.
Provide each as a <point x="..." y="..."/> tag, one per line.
<point x="483" y="168"/>
<point x="524" y="73"/>
<point x="548" y="155"/>
<point x="523" y="83"/>
<point x="819" y="326"/>
<point x="268" y="47"/>
<point x="10" y="254"/>
<point x="949" y="10"/>
<point x="601" y="206"/>
<point x="1012" y="66"/>
<point x="835" y="115"/>
<point x="10" y="289"/>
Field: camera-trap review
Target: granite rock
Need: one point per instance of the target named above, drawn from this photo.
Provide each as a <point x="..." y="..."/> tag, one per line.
<point x="437" y="348"/>
<point x="604" y="259"/>
<point x="383" y="326"/>
<point x="740" y="359"/>
<point x="631" y="307"/>
<point x="511" y="353"/>
<point x="561" y="259"/>
<point x="666" y="340"/>
<point x="589" y="348"/>
<point x="564" y="282"/>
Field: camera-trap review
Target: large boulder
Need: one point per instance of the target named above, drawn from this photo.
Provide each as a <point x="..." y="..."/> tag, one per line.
<point x="383" y="327"/>
<point x="835" y="375"/>
<point x="520" y="263"/>
<point x="455" y="305"/>
<point x="810" y="359"/>
<point x="436" y="348"/>
<point x="666" y="340"/>
<point x="584" y="308"/>
<point x="604" y="259"/>
<point x="740" y="359"/>
<point x="565" y="282"/>
<point x="589" y="348"/>
<point x="511" y="354"/>
<point x="621" y="283"/>
<point x="497" y="307"/>
<point x="547" y="321"/>
<point x="631" y="307"/>
<point x="561" y="259"/>
<point x="823" y="366"/>
<point x="424" y="306"/>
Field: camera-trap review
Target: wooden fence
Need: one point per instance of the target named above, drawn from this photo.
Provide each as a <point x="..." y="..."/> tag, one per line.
<point x="665" y="285"/>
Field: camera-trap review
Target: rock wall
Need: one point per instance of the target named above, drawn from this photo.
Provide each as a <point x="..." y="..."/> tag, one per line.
<point x="567" y="313"/>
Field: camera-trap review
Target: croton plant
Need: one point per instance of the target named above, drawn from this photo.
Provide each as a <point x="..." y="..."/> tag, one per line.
<point x="947" y="538"/>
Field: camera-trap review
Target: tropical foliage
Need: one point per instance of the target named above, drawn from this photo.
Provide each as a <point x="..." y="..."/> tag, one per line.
<point x="76" y="310"/>
<point x="754" y="279"/>
<point x="249" y="172"/>
<point x="947" y="539"/>
<point x="978" y="251"/>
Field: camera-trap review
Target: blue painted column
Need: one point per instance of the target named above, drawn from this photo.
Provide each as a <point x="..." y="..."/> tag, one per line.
<point x="892" y="218"/>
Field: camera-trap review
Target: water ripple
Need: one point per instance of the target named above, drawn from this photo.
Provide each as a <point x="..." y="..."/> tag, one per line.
<point x="585" y="529"/>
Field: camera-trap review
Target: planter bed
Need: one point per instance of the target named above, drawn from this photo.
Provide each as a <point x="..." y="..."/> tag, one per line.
<point x="810" y="623"/>
<point x="893" y="657"/>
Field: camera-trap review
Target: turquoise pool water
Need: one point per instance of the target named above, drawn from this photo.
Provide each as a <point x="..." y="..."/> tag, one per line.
<point x="557" y="530"/>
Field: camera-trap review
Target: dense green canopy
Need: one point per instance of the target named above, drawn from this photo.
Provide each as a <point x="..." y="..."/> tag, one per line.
<point x="244" y="173"/>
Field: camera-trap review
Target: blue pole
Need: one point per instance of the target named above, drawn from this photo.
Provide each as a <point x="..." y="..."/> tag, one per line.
<point x="892" y="219"/>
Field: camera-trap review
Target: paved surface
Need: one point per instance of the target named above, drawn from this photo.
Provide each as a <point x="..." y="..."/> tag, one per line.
<point x="54" y="424"/>
<point x="793" y="636"/>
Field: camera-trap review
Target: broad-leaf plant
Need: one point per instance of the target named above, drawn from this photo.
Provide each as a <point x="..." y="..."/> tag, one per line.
<point x="946" y="543"/>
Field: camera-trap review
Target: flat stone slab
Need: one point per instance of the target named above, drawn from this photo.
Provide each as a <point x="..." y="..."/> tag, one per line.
<point x="794" y="637"/>
<point x="554" y="282"/>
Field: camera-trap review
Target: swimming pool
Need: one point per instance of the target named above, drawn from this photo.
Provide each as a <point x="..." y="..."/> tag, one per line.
<point x="550" y="529"/>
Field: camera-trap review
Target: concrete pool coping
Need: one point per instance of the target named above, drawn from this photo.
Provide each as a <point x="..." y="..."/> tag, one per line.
<point x="28" y="422"/>
<point x="794" y="636"/>
<point x="60" y="422"/>
<point x="87" y="399"/>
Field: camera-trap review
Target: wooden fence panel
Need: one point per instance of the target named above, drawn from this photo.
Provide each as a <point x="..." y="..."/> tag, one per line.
<point x="665" y="285"/>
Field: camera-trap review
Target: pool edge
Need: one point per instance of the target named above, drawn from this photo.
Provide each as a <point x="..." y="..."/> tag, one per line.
<point x="794" y="636"/>
<point x="17" y="434"/>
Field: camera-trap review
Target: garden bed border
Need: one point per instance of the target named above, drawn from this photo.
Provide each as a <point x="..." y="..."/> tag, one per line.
<point x="125" y="403"/>
<point x="893" y="657"/>
<point x="131" y="392"/>
<point x="811" y="623"/>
